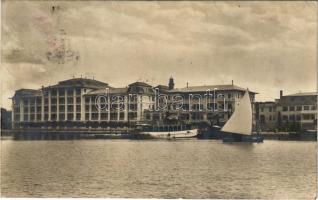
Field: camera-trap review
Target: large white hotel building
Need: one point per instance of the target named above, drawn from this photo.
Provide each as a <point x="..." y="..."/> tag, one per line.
<point x="82" y="102"/>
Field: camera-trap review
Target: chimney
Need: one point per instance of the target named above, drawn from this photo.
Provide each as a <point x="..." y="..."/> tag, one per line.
<point x="187" y="85"/>
<point x="280" y="94"/>
<point x="171" y="83"/>
<point x="232" y="82"/>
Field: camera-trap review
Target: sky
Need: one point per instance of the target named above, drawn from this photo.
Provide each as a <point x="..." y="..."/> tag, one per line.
<point x="263" y="46"/>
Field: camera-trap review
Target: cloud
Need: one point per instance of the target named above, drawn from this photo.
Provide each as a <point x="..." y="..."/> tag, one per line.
<point x="19" y="56"/>
<point x="266" y="46"/>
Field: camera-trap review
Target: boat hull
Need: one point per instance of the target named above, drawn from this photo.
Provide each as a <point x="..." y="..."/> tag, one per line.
<point x="210" y="133"/>
<point x="168" y="134"/>
<point x="216" y="133"/>
<point x="233" y="137"/>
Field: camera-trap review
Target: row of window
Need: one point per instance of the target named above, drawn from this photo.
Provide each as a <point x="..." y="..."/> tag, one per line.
<point x="210" y="106"/>
<point x="61" y="91"/>
<point x="70" y="108"/>
<point x="200" y="116"/>
<point x="70" y="100"/>
<point x="270" y="109"/>
<point x="38" y="100"/>
<point x="298" y="117"/>
<point x="192" y="116"/>
<point x="32" y="101"/>
<point x="38" y="117"/>
<point x="103" y="101"/>
<point x="133" y="98"/>
<point x="70" y="116"/>
<point x="115" y="107"/>
<point x="32" y="109"/>
<point x="299" y="108"/>
<point x="113" y="116"/>
<point x="270" y="118"/>
<point x="113" y="99"/>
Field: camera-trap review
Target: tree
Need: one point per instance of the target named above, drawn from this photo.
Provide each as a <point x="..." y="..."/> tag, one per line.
<point x="6" y="119"/>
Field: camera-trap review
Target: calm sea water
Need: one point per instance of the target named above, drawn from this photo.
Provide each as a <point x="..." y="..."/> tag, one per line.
<point x="158" y="169"/>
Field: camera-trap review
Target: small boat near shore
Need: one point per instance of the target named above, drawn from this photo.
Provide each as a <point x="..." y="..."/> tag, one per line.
<point x="145" y="131"/>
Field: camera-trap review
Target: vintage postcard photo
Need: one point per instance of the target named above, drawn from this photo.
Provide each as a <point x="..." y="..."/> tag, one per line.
<point x="159" y="99"/>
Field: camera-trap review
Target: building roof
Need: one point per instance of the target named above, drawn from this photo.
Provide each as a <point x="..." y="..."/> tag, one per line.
<point x="302" y="94"/>
<point x="82" y="82"/>
<point x="164" y="87"/>
<point x="27" y="92"/>
<point x="304" y="98"/>
<point x="140" y="84"/>
<point x="110" y="91"/>
<point x="209" y="87"/>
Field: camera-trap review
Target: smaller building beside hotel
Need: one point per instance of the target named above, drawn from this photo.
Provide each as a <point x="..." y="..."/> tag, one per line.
<point x="292" y="112"/>
<point x="297" y="111"/>
<point x="266" y="115"/>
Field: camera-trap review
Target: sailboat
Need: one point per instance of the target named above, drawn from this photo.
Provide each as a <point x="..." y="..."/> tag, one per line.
<point x="239" y="127"/>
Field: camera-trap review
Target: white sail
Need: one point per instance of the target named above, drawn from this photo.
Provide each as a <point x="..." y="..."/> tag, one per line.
<point x="241" y="120"/>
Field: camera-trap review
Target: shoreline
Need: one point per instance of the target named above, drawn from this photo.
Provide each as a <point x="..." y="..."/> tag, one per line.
<point x="125" y="133"/>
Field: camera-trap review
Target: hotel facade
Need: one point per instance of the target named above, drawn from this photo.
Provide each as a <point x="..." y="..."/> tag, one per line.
<point x="87" y="103"/>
